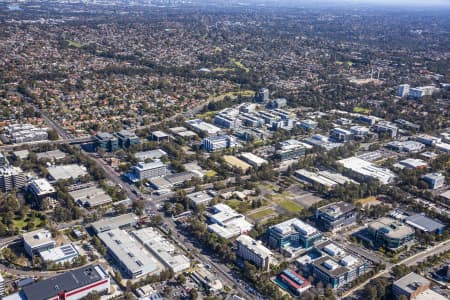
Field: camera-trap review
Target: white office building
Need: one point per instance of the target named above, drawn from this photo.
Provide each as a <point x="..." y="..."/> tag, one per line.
<point x="227" y="222"/>
<point x="367" y="169"/>
<point x="11" y="178"/>
<point x="254" y="251"/>
<point x="38" y="241"/>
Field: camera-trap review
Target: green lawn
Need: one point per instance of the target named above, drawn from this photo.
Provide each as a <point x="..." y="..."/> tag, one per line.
<point x="361" y="110"/>
<point x="290" y="206"/>
<point x="75" y="44"/>
<point x="210" y="173"/>
<point x="261" y="214"/>
<point x="22" y="223"/>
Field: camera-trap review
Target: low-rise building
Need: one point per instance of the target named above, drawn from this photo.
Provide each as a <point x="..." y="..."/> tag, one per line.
<point x="134" y="259"/>
<point x="159" y="136"/>
<point x="206" y="279"/>
<point x="428" y="140"/>
<point x="366" y="169"/>
<point x="59" y="255"/>
<point x="434" y="180"/>
<point x="41" y="188"/>
<point x="235" y="162"/>
<point x="52" y="155"/>
<point x="390" y="234"/>
<point x="150" y="155"/>
<point x="91" y="196"/>
<point x="37" y="241"/>
<point x="254" y="251"/>
<point x="217" y="143"/>
<point x="203" y="127"/>
<point x="385" y="127"/>
<point x="340" y="135"/>
<point x="336" y="216"/>
<point x="127" y="138"/>
<point x="200" y="198"/>
<point x="163" y="249"/>
<point x="228" y="223"/>
<point x="121" y="221"/>
<point x="292" y="235"/>
<point x="65" y="172"/>
<point x="411" y="163"/>
<point x="414" y="286"/>
<point x="25" y="133"/>
<point x="291" y="149"/>
<point x="308" y="124"/>
<point x="253" y="159"/>
<point x="406" y="146"/>
<point x="314" y="179"/>
<point x="292" y="282"/>
<point x="424" y="224"/>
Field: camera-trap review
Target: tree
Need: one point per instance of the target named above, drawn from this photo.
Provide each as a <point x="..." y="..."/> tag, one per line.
<point x="193" y="294"/>
<point x="53" y="135"/>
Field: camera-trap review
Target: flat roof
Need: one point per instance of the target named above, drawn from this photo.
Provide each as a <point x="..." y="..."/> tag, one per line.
<point x="236" y="162"/>
<point x="68" y="281"/>
<point x="106" y="224"/>
<point x="42" y="187"/>
<point x="411" y="282"/>
<point x="38" y="237"/>
<point x="294" y="225"/>
<point x="67" y="171"/>
<point x="255" y="246"/>
<point x="91" y="196"/>
<point x="199" y="197"/>
<point x="51" y="155"/>
<point x="59" y="253"/>
<point x="150" y="154"/>
<point x="424" y="223"/>
<point x="395" y="228"/>
<point x="337" y="208"/>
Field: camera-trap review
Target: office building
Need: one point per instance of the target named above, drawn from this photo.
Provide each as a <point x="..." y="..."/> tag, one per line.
<point x="251" y="120"/>
<point x="71" y="285"/>
<point x="147" y="171"/>
<point x="292" y="282"/>
<point x="160" y="136"/>
<point x="252" y="159"/>
<point x="390" y="234"/>
<point x="255" y="252"/>
<point x="206" y="279"/>
<point x="277" y="103"/>
<point x="2" y="285"/>
<point x="163" y="249"/>
<point x="411" y="163"/>
<point x="314" y="179"/>
<point x="106" y="141"/>
<point x="359" y="131"/>
<point x="308" y="124"/>
<point x="336" y="216"/>
<point x="403" y="90"/>
<point x="321" y="141"/>
<point x="434" y="180"/>
<point x="183" y="132"/>
<point x="226" y="222"/>
<point x="121" y="221"/>
<point x="203" y="127"/>
<point x="428" y="140"/>
<point x="41" y="188"/>
<point x="368" y="120"/>
<point x="386" y="128"/>
<point x="422" y="91"/>
<point x="11" y="178"/>
<point x="217" y="143"/>
<point x="37" y="241"/>
<point x="291" y="149"/>
<point x="200" y="198"/>
<point x="424" y="224"/>
<point x="414" y="286"/>
<point x="65" y="172"/>
<point x="59" y="255"/>
<point x="406" y="146"/>
<point x="365" y="169"/>
<point x="3" y="160"/>
<point x="134" y="259"/>
<point x="228" y="118"/>
<point x="52" y="155"/>
<point x="263" y="95"/>
<point x="127" y="138"/>
<point x="340" y="135"/>
<point x="336" y="267"/>
<point x="292" y="235"/>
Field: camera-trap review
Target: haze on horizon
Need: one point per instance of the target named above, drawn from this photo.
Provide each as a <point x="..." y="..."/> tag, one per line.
<point x="421" y="3"/>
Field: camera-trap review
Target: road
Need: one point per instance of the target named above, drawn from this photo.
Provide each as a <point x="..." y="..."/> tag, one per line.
<point x="409" y="261"/>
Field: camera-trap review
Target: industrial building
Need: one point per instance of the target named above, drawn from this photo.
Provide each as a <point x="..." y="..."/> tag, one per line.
<point x="292" y="235"/>
<point x="366" y="169"/>
<point x="65" y="172"/>
<point x="389" y="233"/>
<point x="314" y="179"/>
<point x="135" y="260"/>
<point x="52" y="155"/>
<point x="106" y="141"/>
<point x="336" y="267"/>
<point x="411" y="163"/>
<point x="434" y="180"/>
<point x="59" y="255"/>
<point x="336" y="216"/>
<point x="255" y="252"/>
<point x="162" y="249"/>
<point x="415" y="287"/>
<point x="424" y="224"/>
<point x="11" y="178"/>
<point x="147" y="171"/>
<point x="41" y="188"/>
<point x="121" y="221"/>
<point x="37" y="241"/>
<point x="91" y="196"/>
<point x="227" y="223"/>
<point x="71" y="285"/>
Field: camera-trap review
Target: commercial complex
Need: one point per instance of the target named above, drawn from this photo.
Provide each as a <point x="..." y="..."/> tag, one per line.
<point x="253" y="159"/>
<point x="367" y="169"/>
<point x="163" y="249"/>
<point x="37" y="241"/>
<point x="121" y="221"/>
<point x="386" y="128"/>
<point x="291" y="149"/>
<point x="147" y="171"/>
<point x="340" y="135"/>
<point x="203" y="127"/>
<point x="200" y="198"/>
<point x="414" y="286"/>
<point x="127" y="138"/>
<point x="227" y="223"/>
<point x="217" y="143"/>
<point x="336" y="216"/>
<point x="65" y="172"/>
<point x="11" y="178"/>
<point x="129" y="253"/>
<point x="292" y="235"/>
<point x="106" y="141"/>
<point x="254" y="251"/>
<point x="406" y="146"/>
<point x="389" y="233"/>
<point x="292" y="282"/>
<point x="315" y="179"/>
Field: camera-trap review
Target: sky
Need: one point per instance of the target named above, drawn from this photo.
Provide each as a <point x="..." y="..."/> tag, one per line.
<point x="423" y="3"/>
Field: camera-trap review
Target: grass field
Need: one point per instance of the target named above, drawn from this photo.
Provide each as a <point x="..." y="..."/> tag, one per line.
<point x="239" y="65"/>
<point x="22" y="223"/>
<point x="75" y="44"/>
<point x="222" y="70"/>
<point x="261" y="214"/>
<point x="243" y="93"/>
<point x="210" y="173"/>
<point x="361" y="110"/>
<point x="348" y="63"/>
<point x="290" y="206"/>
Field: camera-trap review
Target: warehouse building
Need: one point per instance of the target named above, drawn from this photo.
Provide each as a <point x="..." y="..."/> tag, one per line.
<point x="92" y="196"/>
<point x="65" y="172"/>
<point x="118" y="222"/>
